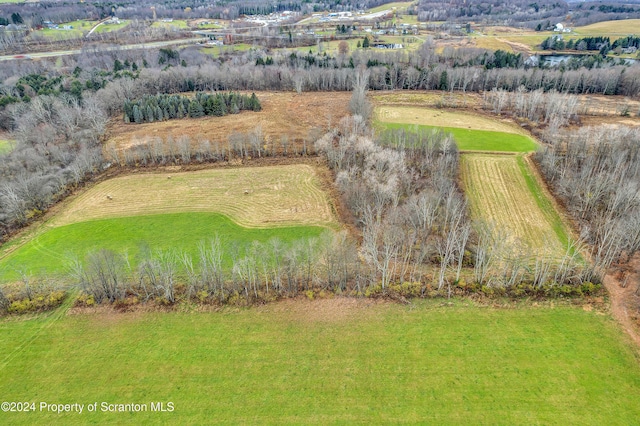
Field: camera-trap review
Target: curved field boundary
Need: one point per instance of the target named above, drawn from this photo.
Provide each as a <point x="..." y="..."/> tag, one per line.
<point x="52" y="251"/>
<point x="504" y="192"/>
<point x="251" y="196"/>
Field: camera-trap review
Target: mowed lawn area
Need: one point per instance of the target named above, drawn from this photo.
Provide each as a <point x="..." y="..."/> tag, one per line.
<point x="503" y="191"/>
<point x="52" y="251"/>
<point x="251" y="196"/>
<point x="477" y="140"/>
<point x="325" y="362"/>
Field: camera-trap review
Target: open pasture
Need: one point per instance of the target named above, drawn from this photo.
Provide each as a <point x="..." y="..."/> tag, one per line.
<point x="174" y="23"/>
<point x="52" y="251"/>
<point x="622" y="27"/>
<point x="391" y="6"/>
<point x="177" y="211"/>
<point x="472" y="132"/>
<point x="327" y="361"/>
<point x="105" y="28"/>
<point x="251" y="196"/>
<point x="75" y="29"/>
<point x="477" y="140"/>
<point x="503" y="192"/>
<point x="441" y="118"/>
<point x="283" y="114"/>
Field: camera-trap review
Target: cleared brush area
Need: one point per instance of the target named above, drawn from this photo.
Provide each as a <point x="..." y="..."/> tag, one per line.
<point x="251" y="196"/>
<point x="503" y="192"/>
<point x="291" y="115"/>
<point x="332" y="361"/>
<point x="176" y="211"/>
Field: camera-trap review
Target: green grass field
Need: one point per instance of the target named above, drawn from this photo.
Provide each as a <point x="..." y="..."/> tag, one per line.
<point x="79" y="27"/>
<point x="105" y="28"/>
<point x="391" y="5"/>
<point x="503" y="191"/>
<point x="477" y="140"/>
<point x="544" y="203"/>
<point x="50" y="251"/>
<point x="176" y="23"/>
<point x="326" y="362"/>
<point x="215" y="51"/>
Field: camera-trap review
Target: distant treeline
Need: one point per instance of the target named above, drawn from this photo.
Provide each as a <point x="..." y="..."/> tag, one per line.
<point x="165" y="107"/>
<point x="600" y="43"/>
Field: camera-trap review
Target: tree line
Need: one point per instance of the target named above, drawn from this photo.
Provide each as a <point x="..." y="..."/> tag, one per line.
<point x="58" y="148"/>
<point x="596" y="172"/>
<point x="166" y="107"/>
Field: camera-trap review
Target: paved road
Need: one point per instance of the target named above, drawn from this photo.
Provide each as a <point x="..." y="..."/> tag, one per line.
<point x="152" y="45"/>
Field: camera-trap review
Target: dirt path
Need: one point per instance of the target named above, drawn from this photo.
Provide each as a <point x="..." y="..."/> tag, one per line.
<point x="624" y="300"/>
<point x="517" y="47"/>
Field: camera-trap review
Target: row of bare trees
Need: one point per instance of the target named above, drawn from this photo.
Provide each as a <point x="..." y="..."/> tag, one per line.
<point x="57" y="148"/>
<point x="552" y="108"/>
<point x="219" y="271"/>
<point x="393" y="71"/>
<point x="596" y="171"/>
<point x="157" y="151"/>
<point x="400" y="187"/>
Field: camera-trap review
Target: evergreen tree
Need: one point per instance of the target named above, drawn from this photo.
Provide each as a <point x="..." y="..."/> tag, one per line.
<point x="219" y="107"/>
<point x="16" y="18"/>
<point x="444" y="81"/>
<point x="149" y="114"/>
<point x="137" y="114"/>
<point x="255" y="103"/>
<point x="195" y="109"/>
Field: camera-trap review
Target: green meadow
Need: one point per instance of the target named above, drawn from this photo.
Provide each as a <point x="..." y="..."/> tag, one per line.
<point x="326" y="362"/>
<point x="476" y="140"/>
<point x="50" y="251"/>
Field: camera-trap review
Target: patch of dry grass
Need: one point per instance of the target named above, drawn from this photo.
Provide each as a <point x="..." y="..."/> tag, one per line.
<point x="251" y="196"/>
<point x="283" y="114"/>
<point x="426" y="98"/>
<point x="442" y="118"/>
<point x="624" y="27"/>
